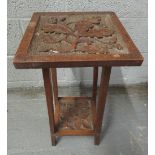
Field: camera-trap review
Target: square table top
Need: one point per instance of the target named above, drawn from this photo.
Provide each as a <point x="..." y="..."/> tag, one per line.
<point x="76" y="39"/>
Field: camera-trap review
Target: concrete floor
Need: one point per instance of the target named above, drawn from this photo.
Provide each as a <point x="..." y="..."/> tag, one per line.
<point x="124" y="129"/>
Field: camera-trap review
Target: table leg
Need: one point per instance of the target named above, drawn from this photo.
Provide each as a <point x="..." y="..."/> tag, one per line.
<point x="95" y="79"/>
<point x="94" y="94"/>
<point x="55" y="94"/>
<point x="49" y="100"/>
<point x="105" y="77"/>
<point x="54" y="83"/>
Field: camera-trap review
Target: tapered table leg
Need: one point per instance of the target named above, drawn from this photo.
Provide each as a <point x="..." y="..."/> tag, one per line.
<point x="49" y="100"/>
<point x="105" y="76"/>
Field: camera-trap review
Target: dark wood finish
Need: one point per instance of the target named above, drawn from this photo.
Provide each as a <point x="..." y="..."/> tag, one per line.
<point x="95" y="79"/>
<point x="80" y="115"/>
<point x="75" y="133"/>
<point x="94" y="112"/>
<point x="54" y="85"/>
<point x="94" y="93"/>
<point x="75" y="97"/>
<point x="54" y="82"/>
<point x="49" y="99"/>
<point x="105" y="77"/>
<point x="23" y="59"/>
<point x="55" y="94"/>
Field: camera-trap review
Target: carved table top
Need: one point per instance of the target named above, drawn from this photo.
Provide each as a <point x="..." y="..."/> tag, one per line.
<point x="76" y="39"/>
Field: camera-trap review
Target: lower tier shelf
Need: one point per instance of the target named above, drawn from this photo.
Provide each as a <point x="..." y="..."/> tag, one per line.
<point x="74" y="115"/>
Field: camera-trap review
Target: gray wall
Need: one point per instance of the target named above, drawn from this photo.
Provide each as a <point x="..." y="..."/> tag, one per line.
<point x="133" y="15"/>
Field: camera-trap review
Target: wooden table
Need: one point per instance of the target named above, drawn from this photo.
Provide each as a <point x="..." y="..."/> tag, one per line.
<point x="82" y="39"/>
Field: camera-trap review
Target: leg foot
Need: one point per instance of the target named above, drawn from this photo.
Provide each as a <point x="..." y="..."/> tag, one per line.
<point x="54" y="142"/>
<point x="97" y="140"/>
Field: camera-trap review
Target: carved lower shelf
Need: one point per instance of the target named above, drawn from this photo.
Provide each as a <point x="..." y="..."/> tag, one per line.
<point x="74" y="115"/>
